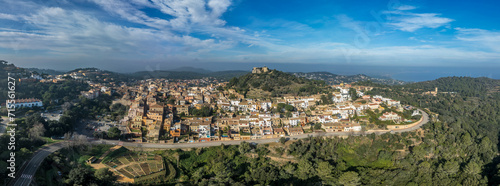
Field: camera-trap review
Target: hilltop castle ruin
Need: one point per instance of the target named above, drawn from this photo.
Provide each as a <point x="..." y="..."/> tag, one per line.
<point x="260" y="70"/>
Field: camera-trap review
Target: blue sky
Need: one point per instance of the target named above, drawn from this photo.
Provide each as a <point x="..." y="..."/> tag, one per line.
<point x="159" y="34"/>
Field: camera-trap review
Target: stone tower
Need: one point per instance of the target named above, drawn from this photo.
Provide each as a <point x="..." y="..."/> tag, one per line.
<point x="260" y="70"/>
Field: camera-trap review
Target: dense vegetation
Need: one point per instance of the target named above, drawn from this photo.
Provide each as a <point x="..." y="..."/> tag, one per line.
<point x="30" y="132"/>
<point x="51" y="94"/>
<point x="204" y="111"/>
<point x="103" y="76"/>
<point x="68" y="167"/>
<point x="33" y="131"/>
<point x="276" y="83"/>
<point x="331" y="79"/>
<point x="464" y="86"/>
<point x="6" y="68"/>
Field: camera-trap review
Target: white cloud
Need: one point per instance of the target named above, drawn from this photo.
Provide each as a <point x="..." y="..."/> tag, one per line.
<point x="187" y="17"/>
<point x="405" y="7"/>
<point x="8" y="17"/>
<point x="403" y="20"/>
<point x="130" y="13"/>
<point x="64" y="32"/>
<point x="186" y="13"/>
<point x="67" y="32"/>
<point x="341" y="53"/>
<point x="480" y="38"/>
<point x="411" y="22"/>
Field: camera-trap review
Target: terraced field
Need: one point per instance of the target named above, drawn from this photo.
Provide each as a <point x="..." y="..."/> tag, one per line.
<point x="133" y="165"/>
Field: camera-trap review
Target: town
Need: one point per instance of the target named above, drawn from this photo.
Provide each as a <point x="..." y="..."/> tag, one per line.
<point x="245" y="92"/>
<point x="182" y="111"/>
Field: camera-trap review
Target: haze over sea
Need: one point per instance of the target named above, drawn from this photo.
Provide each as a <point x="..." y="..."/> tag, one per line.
<point x="412" y="74"/>
<point x="404" y="73"/>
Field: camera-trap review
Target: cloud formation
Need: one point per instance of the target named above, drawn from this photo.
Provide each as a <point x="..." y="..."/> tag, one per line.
<point x="66" y="31"/>
<point x="174" y="31"/>
<point x="485" y="38"/>
<point x="404" y="20"/>
<point x="406" y="7"/>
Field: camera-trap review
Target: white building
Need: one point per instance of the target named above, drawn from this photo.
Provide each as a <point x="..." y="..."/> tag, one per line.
<point x="389" y="116"/>
<point x="352" y="127"/>
<point x="19" y="103"/>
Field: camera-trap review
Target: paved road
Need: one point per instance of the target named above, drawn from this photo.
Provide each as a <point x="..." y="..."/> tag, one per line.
<point x="217" y="143"/>
<point x="424" y="121"/>
<point x="28" y="172"/>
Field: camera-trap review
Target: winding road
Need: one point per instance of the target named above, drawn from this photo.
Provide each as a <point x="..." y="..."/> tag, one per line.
<point x="29" y="170"/>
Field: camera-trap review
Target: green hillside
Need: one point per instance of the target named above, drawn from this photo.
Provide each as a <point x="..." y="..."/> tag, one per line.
<point x="466" y="86"/>
<point x="275" y="83"/>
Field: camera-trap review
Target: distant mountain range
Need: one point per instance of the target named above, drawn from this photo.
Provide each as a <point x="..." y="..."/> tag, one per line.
<point x="197" y="73"/>
<point x="192" y="69"/>
<point x="180" y="74"/>
<point x="45" y="71"/>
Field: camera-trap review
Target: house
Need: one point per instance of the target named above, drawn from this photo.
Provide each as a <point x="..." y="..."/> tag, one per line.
<point x="204" y="132"/>
<point x="91" y="94"/>
<point x="294" y="121"/>
<point x="389" y="116"/>
<point x="137" y="120"/>
<point x="225" y="134"/>
<point x="245" y="133"/>
<point x="194" y="127"/>
<point x="182" y="109"/>
<point x="175" y="133"/>
<point x="295" y="131"/>
<point x="256" y="133"/>
<point x="279" y="132"/>
<point x="243" y="106"/>
<point x="332" y="127"/>
<point x="235" y="134"/>
<point x="373" y="106"/>
<point x="156" y="107"/>
<point x="352" y="127"/>
<point x="214" y="132"/>
<point x="393" y="102"/>
<point x="155" y="115"/>
<point x="267" y="132"/>
<point x="19" y="103"/>
<point x="153" y="133"/>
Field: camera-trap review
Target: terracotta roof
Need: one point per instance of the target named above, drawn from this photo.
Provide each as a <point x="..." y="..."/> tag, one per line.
<point x="30" y="100"/>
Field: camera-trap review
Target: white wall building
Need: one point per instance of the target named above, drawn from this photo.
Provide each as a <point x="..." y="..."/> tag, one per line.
<point x="19" y="103"/>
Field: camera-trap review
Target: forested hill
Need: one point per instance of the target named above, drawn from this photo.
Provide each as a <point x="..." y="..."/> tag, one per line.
<point x="275" y="83"/>
<point x="6" y="68"/>
<point x="466" y="86"/>
<point x="330" y="78"/>
<point x="459" y="149"/>
<point x="45" y="71"/>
